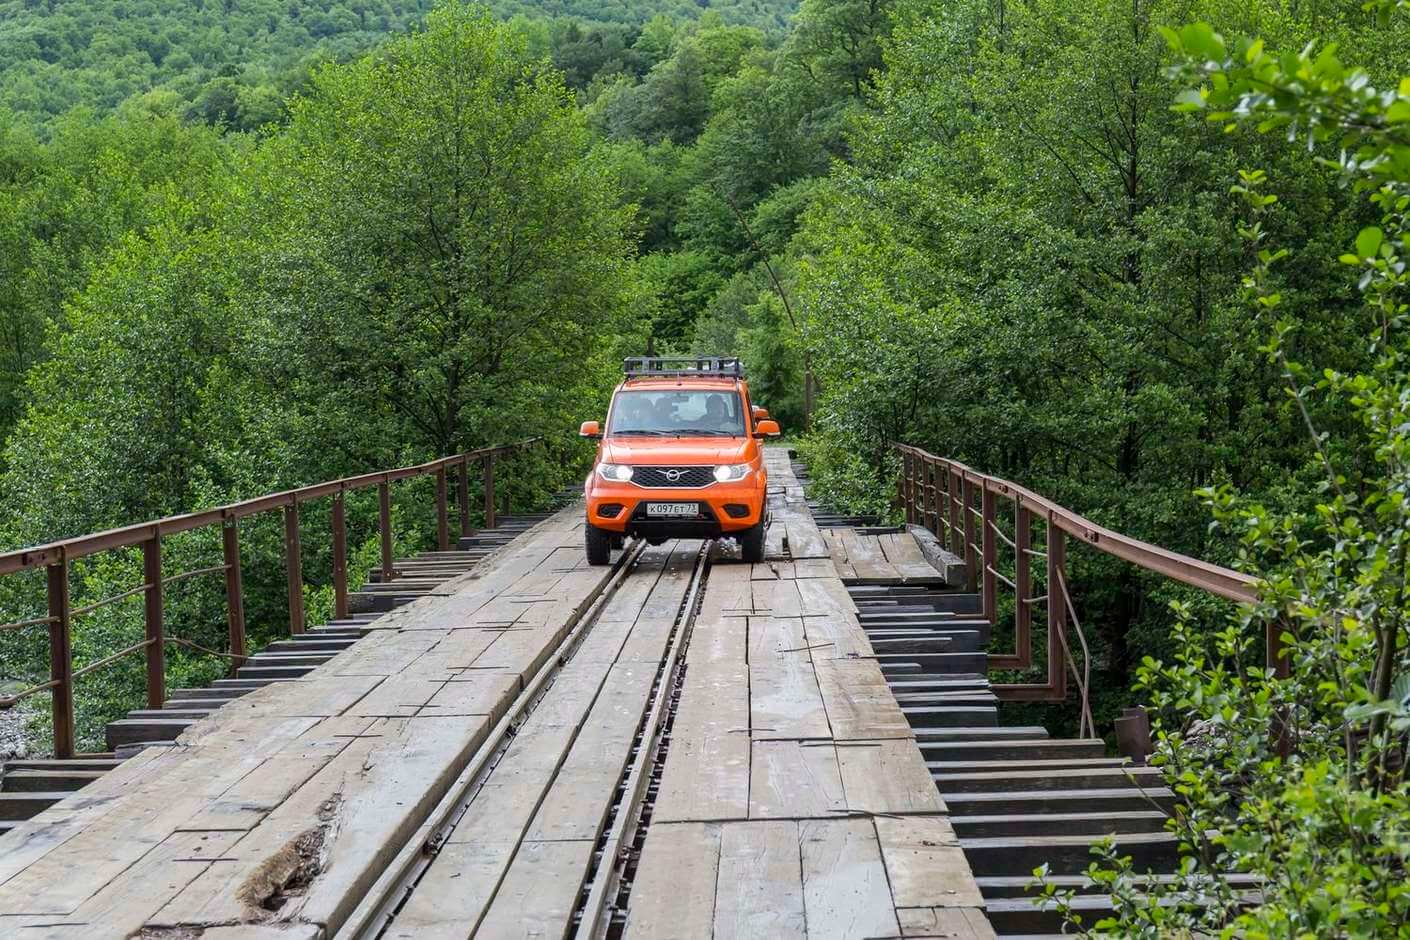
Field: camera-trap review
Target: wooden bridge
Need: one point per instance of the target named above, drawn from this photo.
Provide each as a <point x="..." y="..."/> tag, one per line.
<point x="495" y="739"/>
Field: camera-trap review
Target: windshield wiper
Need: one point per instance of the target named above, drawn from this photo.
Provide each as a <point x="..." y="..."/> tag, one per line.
<point x="713" y="433"/>
<point x="651" y="431"/>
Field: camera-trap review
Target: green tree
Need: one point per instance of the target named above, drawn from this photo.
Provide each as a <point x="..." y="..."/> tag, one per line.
<point x="451" y="249"/>
<point x="1299" y="778"/>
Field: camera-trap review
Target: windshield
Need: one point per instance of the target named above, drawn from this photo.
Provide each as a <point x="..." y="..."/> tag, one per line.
<point x="677" y="412"/>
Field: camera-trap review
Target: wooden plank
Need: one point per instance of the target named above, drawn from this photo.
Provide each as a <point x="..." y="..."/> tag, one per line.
<point x="865" y="555"/>
<point x="760" y="884"/>
<point x="648" y="642"/>
<point x="727" y="593"/>
<point x="805" y="540"/>
<point x="845" y="892"/>
<point x="722" y="640"/>
<point x="961" y="923"/>
<point x="397" y="697"/>
<point x="887" y="777"/>
<point x="792" y="780"/>
<point x="311" y="696"/>
<point x="256" y="794"/>
<point x="770" y="636"/>
<point x="859" y="704"/>
<point x="805" y="568"/>
<point x="777" y="598"/>
<point x="452" y="897"/>
<point x="706" y="776"/>
<point x="925" y="864"/>
<point x="674" y="892"/>
<point x="144" y="813"/>
<point x="784" y="699"/>
<point x="540" y="892"/>
<point x="161" y="873"/>
<point x="476" y="692"/>
<point x="361" y="806"/>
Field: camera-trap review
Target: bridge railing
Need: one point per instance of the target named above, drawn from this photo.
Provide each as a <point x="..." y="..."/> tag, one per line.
<point x="55" y="558"/>
<point x="960" y="506"/>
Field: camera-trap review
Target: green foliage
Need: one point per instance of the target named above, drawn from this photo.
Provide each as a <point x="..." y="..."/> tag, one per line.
<point x="220" y="62"/>
<point x="235" y="64"/>
<point x="1299" y="779"/>
<point x="1033" y="266"/>
<point x="66" y="201"/>
<point x="427" y="260"/>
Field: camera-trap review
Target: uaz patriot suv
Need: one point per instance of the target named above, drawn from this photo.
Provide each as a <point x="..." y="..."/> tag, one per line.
<point x="679" y="458"/>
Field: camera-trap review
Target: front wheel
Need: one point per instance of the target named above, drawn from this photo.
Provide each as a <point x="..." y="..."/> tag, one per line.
<point x="751" y="543"/>
<point x="599" y="545"/>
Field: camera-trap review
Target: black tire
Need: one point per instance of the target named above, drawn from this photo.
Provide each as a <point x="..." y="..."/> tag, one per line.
<point x="751" y="543"/>
<point x="598" y="543"/>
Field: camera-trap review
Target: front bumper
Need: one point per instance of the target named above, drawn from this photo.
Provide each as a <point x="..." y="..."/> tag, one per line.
<point x="724" y="508"/>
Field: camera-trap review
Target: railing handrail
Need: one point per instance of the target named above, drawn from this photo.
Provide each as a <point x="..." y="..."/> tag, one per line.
<point x="56" y="558"/>
<point x="1224" y="582"/>
<point x="39" y="556"/>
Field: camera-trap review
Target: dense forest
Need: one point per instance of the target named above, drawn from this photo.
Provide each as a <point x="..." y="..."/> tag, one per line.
<point x="1145" y="257"/>
<point x="235" y="62"/>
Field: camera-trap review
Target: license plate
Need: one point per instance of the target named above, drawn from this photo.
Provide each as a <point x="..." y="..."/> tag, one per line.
<point x="672" y="509"/>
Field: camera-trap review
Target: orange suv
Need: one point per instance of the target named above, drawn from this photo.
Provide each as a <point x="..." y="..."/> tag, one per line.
<point x="679" y="458"/>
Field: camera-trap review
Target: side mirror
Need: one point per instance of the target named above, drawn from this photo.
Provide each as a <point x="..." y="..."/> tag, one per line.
<point x="760" y="413"/>
<point x="767" y="428"/>
<point x="590" y="429"/>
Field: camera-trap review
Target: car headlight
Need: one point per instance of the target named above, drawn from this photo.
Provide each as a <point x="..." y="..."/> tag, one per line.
<point x="617" y="472"/>
<point x="730" y="472"/>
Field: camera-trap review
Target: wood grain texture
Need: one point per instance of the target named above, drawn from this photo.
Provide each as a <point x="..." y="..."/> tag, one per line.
<point x="760" y="885"/>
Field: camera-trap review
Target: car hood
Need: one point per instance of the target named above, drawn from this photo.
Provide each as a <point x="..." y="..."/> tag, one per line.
<point x="674" y="451"/>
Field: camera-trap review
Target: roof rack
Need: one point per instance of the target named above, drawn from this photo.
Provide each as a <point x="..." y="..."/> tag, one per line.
<point x="666" y="366"/>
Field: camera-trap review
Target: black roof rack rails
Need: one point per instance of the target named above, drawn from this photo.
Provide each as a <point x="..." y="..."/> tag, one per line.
<point x="668" y="366"/>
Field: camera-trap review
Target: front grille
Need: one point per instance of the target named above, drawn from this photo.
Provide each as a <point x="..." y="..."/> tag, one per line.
<point x="673" y="476"/>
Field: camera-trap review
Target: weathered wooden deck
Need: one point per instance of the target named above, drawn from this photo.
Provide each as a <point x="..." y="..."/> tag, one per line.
<point x="536" y="748"/>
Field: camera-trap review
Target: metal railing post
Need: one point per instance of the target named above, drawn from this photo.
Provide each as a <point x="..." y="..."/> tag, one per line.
<point x="156" y="640"/>
<point x="954" y="492"/>
<point x="970" y="556"/>
<point x="1057" y="609"/>
<point x="908" y="487"/>
<point x="442" y="512"/>
<point x="489" y="490"/>
<point x="384" y="525"/>
<point x="1023" y="581"/>
<point x="293" y="565"/>
<point x="61" y="657"/>
<point x="234" y="589"/>
<point x="340" y="557"/>
<point x="989" y="553"/>
<point x="462" y="497"/>
<point x="932" y="496"/>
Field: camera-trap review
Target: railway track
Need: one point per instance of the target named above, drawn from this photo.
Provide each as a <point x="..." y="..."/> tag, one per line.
<point x="554" y="805"/>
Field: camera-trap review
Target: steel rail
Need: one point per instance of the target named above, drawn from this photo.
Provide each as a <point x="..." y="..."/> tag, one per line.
<point x="596" y="916"/>
<point x="379" y="905"/>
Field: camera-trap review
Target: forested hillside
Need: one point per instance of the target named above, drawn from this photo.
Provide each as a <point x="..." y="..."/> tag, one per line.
<point x="235" y="61"/>
<point x="1152" y="272"/>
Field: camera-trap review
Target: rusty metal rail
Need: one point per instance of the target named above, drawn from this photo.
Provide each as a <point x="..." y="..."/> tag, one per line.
<point x="960" y="506"/>
<point x="55" y="559"/>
